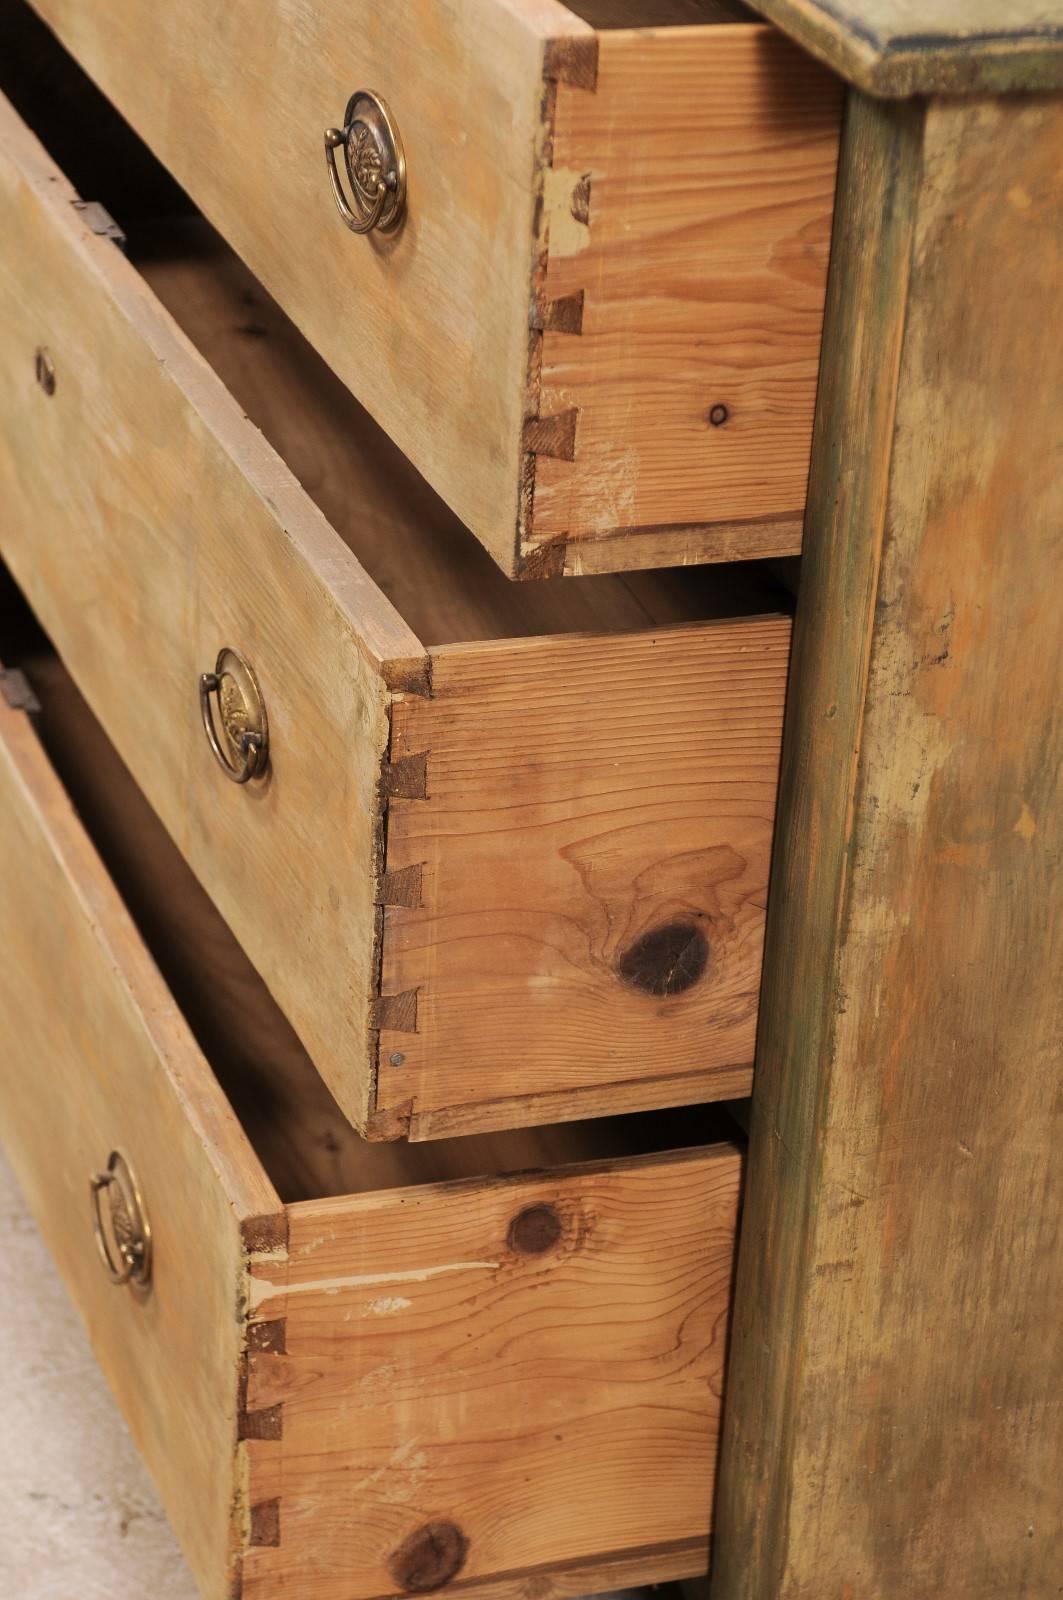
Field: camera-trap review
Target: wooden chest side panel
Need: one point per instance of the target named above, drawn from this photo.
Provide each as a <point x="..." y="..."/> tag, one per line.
<point x="489" y="1377"/>
<point x="704" y="167"/>
<point x="428" y="326"/>
<point x="96" y="1057"/>
<point x="593" y="848"/>
<point x="149" y="525"/>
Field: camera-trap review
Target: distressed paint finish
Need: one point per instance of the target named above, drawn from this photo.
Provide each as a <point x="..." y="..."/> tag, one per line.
<point x="910" y="47"/>
<point x="893" y="1422"/>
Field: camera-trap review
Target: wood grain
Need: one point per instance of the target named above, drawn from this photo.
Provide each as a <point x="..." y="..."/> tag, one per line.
<point x="445" y="586"/>
<point x="915" y="47"/>
<point x="679" y="178"/>
<point x="429" y="328"/>
<point x="149" y="524"/>
<point x="598" y="812"/>
<point x="893" y="1412"/>
<point x="530" y="1368"/>
<point x="703" y="271"/>
<point x="298" y="1133"/>
<point x="179" y="531"/>
<point x="431" y="1345"/>
<point x="97" y="1057"/>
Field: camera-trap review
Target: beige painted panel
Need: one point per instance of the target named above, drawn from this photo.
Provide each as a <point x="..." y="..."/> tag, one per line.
<point x="149" y="524"/>
<point x="428" y="327"/>
<point x="510" y="1376"/>
<point x="96" y="1057"/>
<point x="583" y="931"/>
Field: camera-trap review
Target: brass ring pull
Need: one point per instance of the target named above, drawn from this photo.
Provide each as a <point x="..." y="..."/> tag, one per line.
<point x="125" y="1245"/>
<point x="241" y="744"/>
<point x="375" y="161"/>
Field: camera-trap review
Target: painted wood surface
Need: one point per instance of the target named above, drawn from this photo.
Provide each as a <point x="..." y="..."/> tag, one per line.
<point x="579" y="918"/>
<point x="912" y="47"/>
<point x="150" y="524"/>
<point x="539" y="155"/>
<point x="419" y="323"/>
<point x="893" y="1412"/>
<point x="96" y="1058"/>
<point x="507" y="1377"/>
<point x="710" y="157"/>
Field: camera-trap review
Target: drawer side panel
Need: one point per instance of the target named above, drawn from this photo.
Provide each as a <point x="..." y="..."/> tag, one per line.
<point x="492" y="1377"/>
<point x="593" y="843"/>
<point x="701" y="172"/>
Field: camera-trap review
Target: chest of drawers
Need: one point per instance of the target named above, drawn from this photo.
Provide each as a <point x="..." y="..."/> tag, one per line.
<point x="377" y="932"/>
<point x="451" y="844"/>
<point x="344" y="1358"/>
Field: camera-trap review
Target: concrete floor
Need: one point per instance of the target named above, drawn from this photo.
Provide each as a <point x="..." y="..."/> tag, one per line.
<point x="79" y="1519"/>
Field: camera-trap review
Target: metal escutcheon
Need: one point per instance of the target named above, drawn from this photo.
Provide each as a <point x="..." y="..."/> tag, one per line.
<point x="376" y="165"/>
<point x="239" y="735"/>
<point x="124" y="1239"/>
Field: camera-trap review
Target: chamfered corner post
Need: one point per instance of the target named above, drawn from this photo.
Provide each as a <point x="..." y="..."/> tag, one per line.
<point x="891" y="1424"/>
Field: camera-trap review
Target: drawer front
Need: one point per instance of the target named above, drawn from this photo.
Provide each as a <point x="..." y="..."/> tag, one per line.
<point x="596" y="331"/>
<point x="97" y="1059"/>
<point x="150" y="526"/>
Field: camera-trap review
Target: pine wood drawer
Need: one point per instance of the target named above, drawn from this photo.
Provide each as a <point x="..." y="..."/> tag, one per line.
<point x="357" y="1370"/>
<point x="597" y="332"/>
<point x="494" y="881"/>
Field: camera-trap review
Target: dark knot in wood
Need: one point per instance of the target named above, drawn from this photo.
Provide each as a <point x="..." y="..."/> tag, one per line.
<point x="429" y="1557"/>
<point x="666" y="960"/>
<point x="534" y="1230"/>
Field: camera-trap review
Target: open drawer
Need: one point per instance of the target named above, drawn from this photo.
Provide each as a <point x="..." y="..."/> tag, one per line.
<point x="354" y="1370"/>
<point x="596" y="327"/>
<point x="505" y="856"/>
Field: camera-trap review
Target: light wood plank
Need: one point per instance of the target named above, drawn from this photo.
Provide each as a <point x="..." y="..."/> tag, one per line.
<point x="429" y="327"/>
<point x="893" y="1403"/>
<point x="585" y="799"/>
<point x="548" y="1409"/>
<point x="97" y="1057"/>
<point x="703" y="270"/>
<point x="141" y="488"/>
<point x="913" y="47"/>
